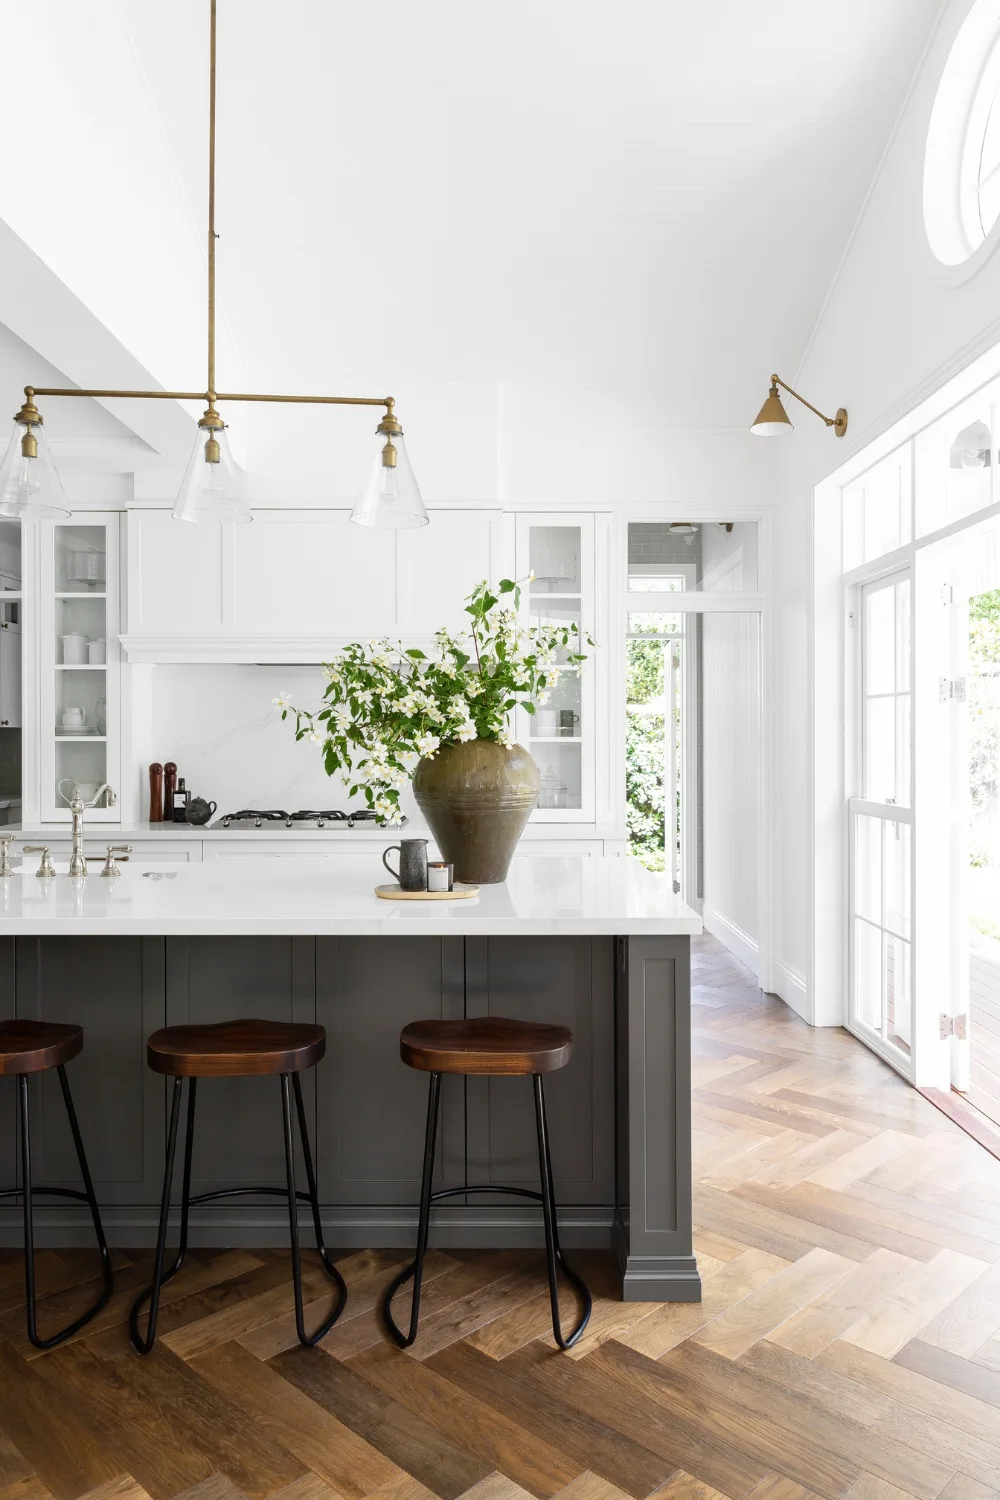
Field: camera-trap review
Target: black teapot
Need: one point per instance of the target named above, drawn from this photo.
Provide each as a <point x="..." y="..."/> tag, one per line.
<point x="199" y="811"/>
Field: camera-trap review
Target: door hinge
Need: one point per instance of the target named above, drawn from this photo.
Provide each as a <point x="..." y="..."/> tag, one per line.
<point x="951" y="690"/>
<point x="956" y="1026"/>
<point x="947" y="594"/>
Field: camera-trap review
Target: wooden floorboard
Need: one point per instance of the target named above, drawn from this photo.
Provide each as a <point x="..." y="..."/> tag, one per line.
<point x="847" y="1346"/>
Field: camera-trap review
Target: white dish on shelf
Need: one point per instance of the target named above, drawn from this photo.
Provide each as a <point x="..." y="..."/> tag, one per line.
<point x="74" y="729"/>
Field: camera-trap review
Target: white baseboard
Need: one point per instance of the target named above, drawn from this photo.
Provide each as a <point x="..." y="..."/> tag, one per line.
<point x="791" y="986"/>
<point x="740" y="944"/>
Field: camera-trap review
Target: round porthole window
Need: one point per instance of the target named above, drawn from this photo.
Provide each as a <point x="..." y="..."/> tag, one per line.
<point x="962" y="165"/>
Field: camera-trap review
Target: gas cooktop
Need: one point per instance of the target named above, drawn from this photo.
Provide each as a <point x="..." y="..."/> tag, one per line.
<point x="276" y="819"/>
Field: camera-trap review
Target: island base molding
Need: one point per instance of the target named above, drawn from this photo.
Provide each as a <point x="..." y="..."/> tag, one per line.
<point x="619" y="1114"/>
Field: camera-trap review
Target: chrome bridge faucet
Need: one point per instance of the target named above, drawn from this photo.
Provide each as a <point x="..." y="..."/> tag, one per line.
<point x="104" y="797"/>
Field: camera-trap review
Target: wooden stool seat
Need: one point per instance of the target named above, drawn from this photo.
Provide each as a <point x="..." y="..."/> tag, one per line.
<point x="235" y="1049"/>
<point x="36" y="1046"/>
<point x="485" y="1044"/>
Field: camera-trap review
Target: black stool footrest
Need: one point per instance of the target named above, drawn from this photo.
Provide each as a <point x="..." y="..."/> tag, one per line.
<point x="26" y="1193"/>
<point x="143" y="1343"/>
<point x="555" y="1260"/>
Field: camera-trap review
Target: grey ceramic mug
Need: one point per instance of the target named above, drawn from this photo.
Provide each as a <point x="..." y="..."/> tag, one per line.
<point x="412" y="872"/>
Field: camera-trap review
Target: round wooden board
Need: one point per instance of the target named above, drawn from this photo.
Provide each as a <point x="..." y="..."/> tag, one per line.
<point x="393" y="893"/>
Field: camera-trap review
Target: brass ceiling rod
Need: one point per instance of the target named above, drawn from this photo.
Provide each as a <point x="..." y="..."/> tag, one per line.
<point x="392" y="499"/>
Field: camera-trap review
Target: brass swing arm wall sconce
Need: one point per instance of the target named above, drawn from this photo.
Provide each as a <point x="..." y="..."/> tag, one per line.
<point x="212" y="488"/>
<point x="773" y="421"/>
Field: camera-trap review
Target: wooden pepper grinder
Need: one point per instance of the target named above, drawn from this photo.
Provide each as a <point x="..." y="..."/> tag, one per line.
<point x="156" y="792"/>
<point x="169" y="786"/>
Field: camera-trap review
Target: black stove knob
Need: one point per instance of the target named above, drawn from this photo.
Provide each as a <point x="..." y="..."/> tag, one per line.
<point x="225" y="822"/>
<point x="256" y="822"/>
<point x="320" y="823"/>
<point x="288" y="822"/>
<point x="350" y="822"/>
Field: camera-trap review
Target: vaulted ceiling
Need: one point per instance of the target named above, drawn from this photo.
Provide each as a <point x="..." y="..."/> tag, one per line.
<point x="651" y="194"/>
<point x="650" y="197"/>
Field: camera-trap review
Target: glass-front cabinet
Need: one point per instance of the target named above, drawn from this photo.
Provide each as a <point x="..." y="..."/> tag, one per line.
<point x="558" y="550"/>
<point x="79" y="664"/>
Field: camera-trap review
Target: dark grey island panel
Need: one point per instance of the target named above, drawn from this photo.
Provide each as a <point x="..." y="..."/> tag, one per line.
<point x="619" y="1114"/>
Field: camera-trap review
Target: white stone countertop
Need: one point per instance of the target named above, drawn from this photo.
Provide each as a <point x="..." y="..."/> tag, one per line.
<point x="99" y="833"/>
<point x="333" y="895"/>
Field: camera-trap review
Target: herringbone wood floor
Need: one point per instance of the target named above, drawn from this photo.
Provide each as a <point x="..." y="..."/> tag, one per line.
<point x="848" y="1342"/>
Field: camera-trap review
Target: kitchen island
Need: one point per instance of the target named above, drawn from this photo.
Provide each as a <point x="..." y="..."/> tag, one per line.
<point x="597" y="944"/>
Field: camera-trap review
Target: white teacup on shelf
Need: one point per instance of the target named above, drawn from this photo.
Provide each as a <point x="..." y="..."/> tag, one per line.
<point x="545" y="721"/>
<point x="97" y="652"/>
<point x="74" y="718"/>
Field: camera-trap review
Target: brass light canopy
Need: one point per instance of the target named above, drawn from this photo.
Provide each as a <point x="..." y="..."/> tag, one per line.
<point x="773" y="420"/>
<point x="212" y="487"/>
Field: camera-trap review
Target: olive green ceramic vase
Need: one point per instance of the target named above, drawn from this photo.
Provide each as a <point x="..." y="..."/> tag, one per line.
<point x="477" y="798"/>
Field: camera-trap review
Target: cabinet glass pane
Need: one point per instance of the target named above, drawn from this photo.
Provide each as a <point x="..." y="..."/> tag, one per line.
<point x="554" y="559"/>
<point x="954" y="462"/>
<point x="81" y="559"/>
<point x="560" y="769"/>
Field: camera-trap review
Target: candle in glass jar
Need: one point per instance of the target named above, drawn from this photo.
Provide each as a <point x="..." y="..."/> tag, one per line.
<point x="440" y="875"/>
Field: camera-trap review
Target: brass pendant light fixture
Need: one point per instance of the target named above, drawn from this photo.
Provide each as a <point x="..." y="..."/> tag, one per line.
<point x="213" y="485"/>
<point x="773" y="421"/>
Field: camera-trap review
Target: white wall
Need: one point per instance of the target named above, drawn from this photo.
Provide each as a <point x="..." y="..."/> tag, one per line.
<point x="730" y="719"/>
<point x="893" y="328"/>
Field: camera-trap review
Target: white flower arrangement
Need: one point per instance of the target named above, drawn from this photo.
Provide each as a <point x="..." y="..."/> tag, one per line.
<point x="386" y="706"/>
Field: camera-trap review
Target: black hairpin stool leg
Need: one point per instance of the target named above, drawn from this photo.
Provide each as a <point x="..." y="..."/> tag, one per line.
<point x="416" y="1266"/>
<point x="553" y="1253"/>
<point x="309" y="1339"/>
<point x="87" y="1196"/>
<point x="142" y="1343"/>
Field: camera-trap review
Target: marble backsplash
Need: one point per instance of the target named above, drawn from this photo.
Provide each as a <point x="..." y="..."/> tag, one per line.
<point x="220" y="726"/>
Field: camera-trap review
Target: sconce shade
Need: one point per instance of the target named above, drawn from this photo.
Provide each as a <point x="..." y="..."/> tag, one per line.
<point x="972" y="448"/>
<point x="30" y="486"/>
<point x="772" y="420"/>
<point x="212" y="491"/>
<point x="392" y="496"/>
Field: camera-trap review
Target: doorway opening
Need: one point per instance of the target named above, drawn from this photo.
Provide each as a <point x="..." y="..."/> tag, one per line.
<point x="692" y="720"/>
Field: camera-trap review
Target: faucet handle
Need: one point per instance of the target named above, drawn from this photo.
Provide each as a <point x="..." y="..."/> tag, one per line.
<point x="6" y="867"/>
<point x="45" y="869"/>
<point x="110" y="868"/>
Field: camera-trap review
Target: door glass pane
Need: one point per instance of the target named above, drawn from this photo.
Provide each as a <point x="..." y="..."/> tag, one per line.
<point x="896" y="838"/>
<point x="880" y="641"/>
<point x="868" y="868"/>
<point x="897" y="992"/>
<point x="678" y="556"/>
<point x="868" y="974"/>
<point x="902" y="792"/>
<point x="880" y="750"/>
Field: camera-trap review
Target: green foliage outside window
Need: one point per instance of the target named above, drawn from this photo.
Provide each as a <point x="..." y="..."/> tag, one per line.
<point x="645" y="752"/>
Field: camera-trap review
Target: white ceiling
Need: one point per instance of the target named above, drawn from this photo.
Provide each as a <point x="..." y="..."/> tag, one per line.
<point x="649" y="195"/>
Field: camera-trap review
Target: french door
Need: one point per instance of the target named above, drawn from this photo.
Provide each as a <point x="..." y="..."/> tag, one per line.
<point x="881" y="1009"/>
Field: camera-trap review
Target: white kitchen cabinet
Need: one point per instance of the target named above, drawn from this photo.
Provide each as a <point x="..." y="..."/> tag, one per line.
<point x="559" y="550"/>
<point x="438" y="566"/>
<point x="10" y="666"/>
<point x="77" y="611"/>
<point x="294" y="584"/>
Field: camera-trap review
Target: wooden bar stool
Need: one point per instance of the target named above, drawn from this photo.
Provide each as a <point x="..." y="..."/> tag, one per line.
<point x="237" y="1049"/>
<point x="36" y="1047"/>
<point x="494" y="1046"/>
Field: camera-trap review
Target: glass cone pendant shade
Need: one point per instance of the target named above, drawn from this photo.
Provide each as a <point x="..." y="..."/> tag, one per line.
<point x="212" y="491"/>
<point x="29" y="482"/>
<point x="772" y="419"/>
<point x="392" y="496"/>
